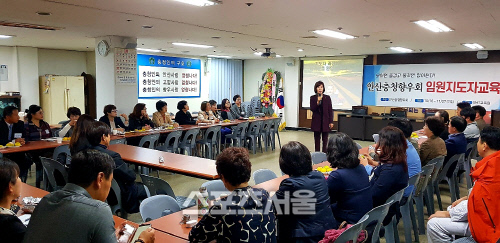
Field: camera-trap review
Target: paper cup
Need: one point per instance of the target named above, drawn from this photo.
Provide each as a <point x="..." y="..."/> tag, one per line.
<point x="59" y="140"/>
<point x="115" y="132"/>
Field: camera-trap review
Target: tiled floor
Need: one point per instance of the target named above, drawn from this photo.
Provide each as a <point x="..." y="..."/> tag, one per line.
<point x="183" y="185"/>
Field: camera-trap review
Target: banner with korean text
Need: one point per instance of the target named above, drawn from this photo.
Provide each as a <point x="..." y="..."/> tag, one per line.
<point x="168" y="77"/>
<point x="432" y="85"/>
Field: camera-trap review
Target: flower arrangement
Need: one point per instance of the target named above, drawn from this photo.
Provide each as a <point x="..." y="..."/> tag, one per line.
<point x="268" y="90"/>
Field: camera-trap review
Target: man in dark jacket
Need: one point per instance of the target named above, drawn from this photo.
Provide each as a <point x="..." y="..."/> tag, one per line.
<point x="131" y="191"/>
<point x="11" y="128"/>
<point x="456" y="142"/>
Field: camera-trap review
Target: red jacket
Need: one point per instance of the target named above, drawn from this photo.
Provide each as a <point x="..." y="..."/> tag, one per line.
<point x="484" y="200"/>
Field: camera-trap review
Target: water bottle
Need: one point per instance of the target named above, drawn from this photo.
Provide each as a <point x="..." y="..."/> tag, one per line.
<point x="202" y="202"/>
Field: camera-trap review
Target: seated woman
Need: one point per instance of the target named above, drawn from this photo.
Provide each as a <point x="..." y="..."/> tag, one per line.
<point x="390" y="175"/>
<point x="205" y="115"/>
<point x="295" y="161"/>
<point x="161" y="117"/>
<point x="36" y="129"/>
<point x="79" y="141"/>
<point x="67" y="127"/>
<point x="348" y="186"/>
<point x="246" y="215"/>
<point x="434" y="146"/>
<point x="139" y="118"/>
<point x="237" y="110"/>
<point x="225" y="110"/>
<point x="213" y="105"/>
<point x="445" y="117"/>
<point x="183" y="116"/>
<point x="11" y="227"/>
<point x="112" y="120"/>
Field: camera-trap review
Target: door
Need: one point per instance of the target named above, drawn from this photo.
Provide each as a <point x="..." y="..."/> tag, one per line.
<point x="75" y="92"/>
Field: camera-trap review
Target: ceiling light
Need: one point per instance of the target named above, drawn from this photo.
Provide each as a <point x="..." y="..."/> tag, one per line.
<point x="400" y="49"/>
<point x="217" y="56"/>
<point x="191" y="45"/>
<point x="148" y="50"/>
<point x="433" y="25"/>
<point x="473" y="46"/>
<point x="200" y="3"/>
<point x="278" y="55"/>
<point x="6" y="36"/>
<point x="300" y="50"/>
<point x="257" y="53"/>
<point x="334" y="34"/>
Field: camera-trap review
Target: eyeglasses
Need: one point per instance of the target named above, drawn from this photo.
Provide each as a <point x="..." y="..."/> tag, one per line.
<point x="114" y="110"/>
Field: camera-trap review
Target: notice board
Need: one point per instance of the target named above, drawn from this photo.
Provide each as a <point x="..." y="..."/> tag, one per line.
<point x="168" y="77"/>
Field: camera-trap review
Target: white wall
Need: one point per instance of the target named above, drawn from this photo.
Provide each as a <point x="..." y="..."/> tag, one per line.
<point x="28" y="76"/>
<point x="8" y="56"/>
<point x="61" y="62"/>
<point x="253" y="70"/>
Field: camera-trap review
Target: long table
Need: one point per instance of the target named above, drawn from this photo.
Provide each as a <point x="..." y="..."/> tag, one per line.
<point x="178" y="163"/>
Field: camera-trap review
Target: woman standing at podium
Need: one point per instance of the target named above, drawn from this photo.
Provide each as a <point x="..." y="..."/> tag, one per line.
<point x="322" y="118"/>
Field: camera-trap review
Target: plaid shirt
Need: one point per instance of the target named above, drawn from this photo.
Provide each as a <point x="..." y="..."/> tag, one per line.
<point x="34" y="133"/>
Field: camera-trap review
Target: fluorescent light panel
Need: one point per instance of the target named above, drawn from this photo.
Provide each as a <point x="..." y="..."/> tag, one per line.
<point x="300" y="50"/>
<point x="199" y="3"/>
<point x="473" y="46"/>
<point x="5" y="36"/>
<point x="191" y="45"/>
<point x="334" y="34"/>
<point x="400" y="49"/>
<point x="217" y="56"/>
<point x="433" y="25"/>
<point x="258" y="53"/>
<point x="148" y="50"/>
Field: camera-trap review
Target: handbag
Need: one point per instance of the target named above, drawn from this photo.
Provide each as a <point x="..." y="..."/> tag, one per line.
<point x="332" y="234"/>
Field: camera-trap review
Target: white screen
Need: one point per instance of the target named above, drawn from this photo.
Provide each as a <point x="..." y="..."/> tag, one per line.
<point x="343" y="81"/>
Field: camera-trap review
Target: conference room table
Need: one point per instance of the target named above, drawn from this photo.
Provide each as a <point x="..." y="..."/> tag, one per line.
<point x="177" y="163"/>
<point x="31" y="191"/>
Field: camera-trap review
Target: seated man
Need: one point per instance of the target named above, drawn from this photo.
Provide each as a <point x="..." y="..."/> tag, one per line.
<point x="67" y="127"/>
<point x="99" y="137"/>
<point x="78" y="213"/>
<point x="443" y="225"/>
<point x="471" y="132"/>
<point x="480" y="113"/>
<point x="456" y="142"/>
<point x="11" y="128"/>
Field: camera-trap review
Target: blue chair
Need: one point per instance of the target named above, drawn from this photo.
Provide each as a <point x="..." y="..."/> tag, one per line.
<point x="359" y="146"/>
<point x="157" y="186"/>
<point x="188" y="142"/>
<point x="418" y="197"/>
<point x="265" y="132"/>
<point x="116" y="192"/>
<point x="62" y="154"/>
<point x="263" y="175"/>
<point x="318" y="157"/>
<point x="118" y="141"/>
<point x="158" y="206"/>
<point x="215" y="189"/>
<point x="275" y="132"/>
<point x="149" y="140"/>
<point x="238" y="134"/>
<point x="407" y="212"/>
<point x="438" y="165"/>
<point x="208" y="141"/>
<point x="452" y="182"/>
<point x="391" y="230"/>
<point x="171" y="142"/>
<point x="351" y="234"/>
<point x="55" y="174"/>
<point x="377" y="216"/>
<point x="253" y="135"/>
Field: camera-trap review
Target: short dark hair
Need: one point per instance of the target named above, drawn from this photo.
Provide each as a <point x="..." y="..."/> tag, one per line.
<point x="342" y="151"/>
<point x="479" y="109"/>
<point x="491" y="136"/>
<point x="7" y="111"/>
<point x="236" y="97"/>
<point x="181" y="104"/>
<point x="463" y="105"/>
<point x="108" y="109"/>
<point x="444" y="115"/>
<point x="459" y="123"/>
<point x="203" y="106"/>
<point x="87" y="164"/>
<point x="95" y="132"/>
<point x="160" y="104"/>
<point x="9" y="171"/>
<point x="404" y="125"/>
<point x="212" y="102"/>
<point x="75" y="111"/>
<point x="393" y="144"/>
<point x="435" y="125"/>
<point x="295" y="159"/>
<point x="468" y="112"/>
<point x="234" y="165"/>
<point x="137" y="112"/>
<point x="33" y="109"/>
<point x="317" y="84"/>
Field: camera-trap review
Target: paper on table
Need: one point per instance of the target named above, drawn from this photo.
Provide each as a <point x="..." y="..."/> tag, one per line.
<point x="25" y="218"/>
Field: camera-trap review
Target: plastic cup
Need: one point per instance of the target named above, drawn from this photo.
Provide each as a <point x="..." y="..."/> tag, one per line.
<point x="59" y="140"/>
<point x="115" y="132"/>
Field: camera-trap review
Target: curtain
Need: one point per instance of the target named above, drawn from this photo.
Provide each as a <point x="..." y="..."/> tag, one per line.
<point x="226" y="79"/>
